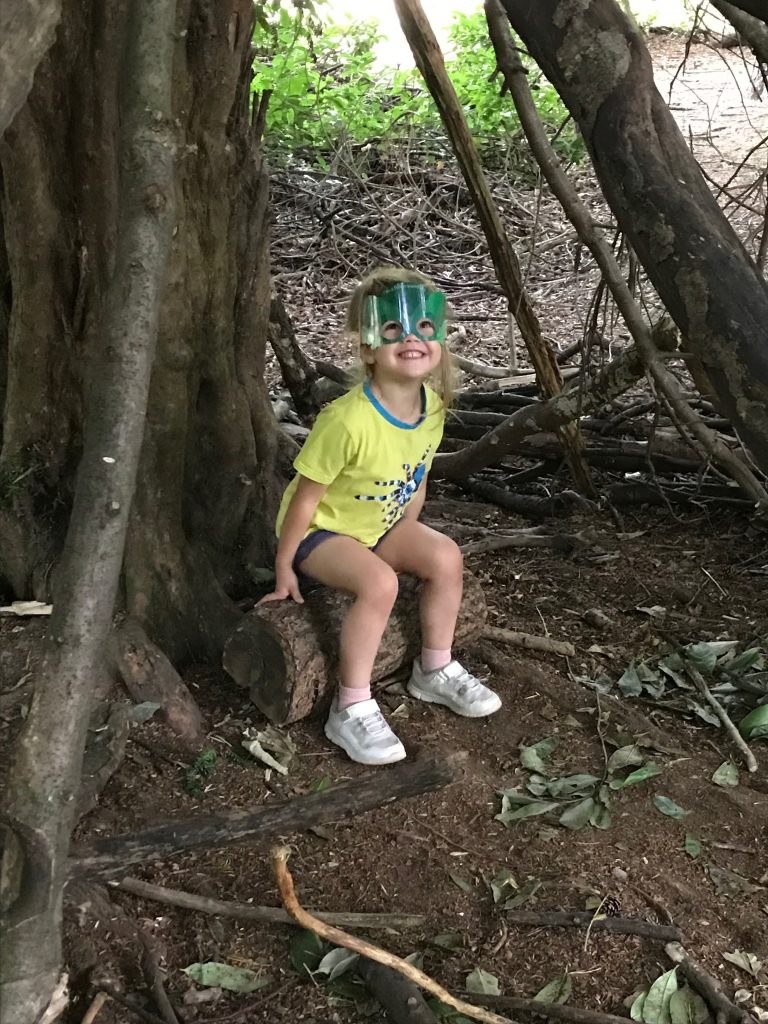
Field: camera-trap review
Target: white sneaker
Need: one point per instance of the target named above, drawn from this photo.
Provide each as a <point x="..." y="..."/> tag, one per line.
<point x="363" y="733"/>
<point x="453" y="686"/>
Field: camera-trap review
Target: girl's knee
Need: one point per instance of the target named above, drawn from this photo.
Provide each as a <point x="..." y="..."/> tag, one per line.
<point x="380" y="586"/>
<point x="448" y="560"/>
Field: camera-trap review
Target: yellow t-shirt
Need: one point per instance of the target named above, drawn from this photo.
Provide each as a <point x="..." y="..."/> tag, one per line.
<point x="372" y="463"/>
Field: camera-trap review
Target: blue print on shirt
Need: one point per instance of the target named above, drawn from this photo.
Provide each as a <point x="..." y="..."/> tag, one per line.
<point x="396" y="500"/>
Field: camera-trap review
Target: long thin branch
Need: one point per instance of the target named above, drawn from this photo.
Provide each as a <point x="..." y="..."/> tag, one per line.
<point x="516" y="80"/>
<point x="754" y="31"/>
<point x="268" y="915"/>
<point x="707" y="986"/>
<point x="302" y="917"/>
<point x="429" y="60"/>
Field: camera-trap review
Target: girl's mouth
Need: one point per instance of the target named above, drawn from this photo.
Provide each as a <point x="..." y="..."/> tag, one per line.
<point x="410" y="353"/>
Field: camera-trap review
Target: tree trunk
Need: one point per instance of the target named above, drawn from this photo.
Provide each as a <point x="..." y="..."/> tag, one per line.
<point x="207" y="480"/>
<point x="26" y="32"/>
<point x="286" y="654"/>
<point x="39" y="806"/>
<point x="210" y="473"/>
<point x="691" y="253"/>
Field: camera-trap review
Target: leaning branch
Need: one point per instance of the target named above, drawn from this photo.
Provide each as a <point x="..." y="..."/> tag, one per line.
<point x="516" y="81"/>
<point x="429" y="60"/>
<point x="751" y="29"/>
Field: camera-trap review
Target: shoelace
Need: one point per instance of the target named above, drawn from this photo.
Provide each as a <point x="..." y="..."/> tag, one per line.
<point x="466" y="683"/>
<point x="373" y="725"/>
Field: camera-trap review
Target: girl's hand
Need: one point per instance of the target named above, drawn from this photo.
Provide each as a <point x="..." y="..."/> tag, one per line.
<point x="286" y="585"/>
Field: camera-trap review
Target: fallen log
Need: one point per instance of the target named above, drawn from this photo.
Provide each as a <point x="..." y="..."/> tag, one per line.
<point x="286" y="654"/>
<point x="111" y="856"/>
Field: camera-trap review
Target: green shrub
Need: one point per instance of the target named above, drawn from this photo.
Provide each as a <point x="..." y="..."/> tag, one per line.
<point x="329" y="99"/>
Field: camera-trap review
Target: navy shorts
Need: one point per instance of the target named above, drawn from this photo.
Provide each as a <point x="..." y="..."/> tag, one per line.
<point x="315" y="539"/>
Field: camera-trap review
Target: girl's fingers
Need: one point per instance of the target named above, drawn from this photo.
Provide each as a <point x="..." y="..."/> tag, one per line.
<point x="276" y="595"/>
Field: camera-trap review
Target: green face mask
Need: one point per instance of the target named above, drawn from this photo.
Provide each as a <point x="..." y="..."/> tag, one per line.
<point x="401" y="310"/>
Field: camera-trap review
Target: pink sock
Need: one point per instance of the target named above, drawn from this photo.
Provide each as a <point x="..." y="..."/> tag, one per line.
<point x="432" y="659"/>
<point x="353" y="695"/>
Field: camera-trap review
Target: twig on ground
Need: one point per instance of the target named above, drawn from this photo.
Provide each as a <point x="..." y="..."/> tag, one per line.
<point x="150" y="967"/>
<point x="701" y="685"/>
<point x="586" y="919"/>
<point x="707" y="986"/>
<point x="565" y="542"/>
<point x="93" y="1010"/>
<point x="572" y="1014"/>
<point x="335" y="935"/>
<point x="269" y="915"/>
<point x="530" y="642"/>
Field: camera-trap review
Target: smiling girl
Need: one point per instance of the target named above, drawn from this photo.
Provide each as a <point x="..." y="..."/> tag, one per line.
<point x="350" y="518"/>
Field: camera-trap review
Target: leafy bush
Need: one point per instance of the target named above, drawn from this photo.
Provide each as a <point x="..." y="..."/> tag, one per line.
<point x="329" y="99"/>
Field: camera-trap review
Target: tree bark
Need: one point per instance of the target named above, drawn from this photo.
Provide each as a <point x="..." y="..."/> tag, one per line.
<point x="27" y="29"/>
<point x="108" y="857"/>
<point x="45" y="776"/>
<point x="752" y="30"/>
<point x="695" y="260"/>
<point x="286" y="654"/>
<point x="429" y="60"/>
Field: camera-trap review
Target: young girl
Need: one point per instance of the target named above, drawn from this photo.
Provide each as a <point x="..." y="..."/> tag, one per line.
<point x="350" y="518"/>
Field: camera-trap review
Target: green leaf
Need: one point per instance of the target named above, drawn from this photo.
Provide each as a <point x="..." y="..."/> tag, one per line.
<point x="532" y="757"/>
<point x="629" y="681"/>
<point x="479" y="982"/>
<point x="337" y="962"/>
<point x="752" y="658"/>
<point x="523" y="896"/>
<point x="636" y="1009"/>
<point x="669" y="807"/>
<point x="531" y="810"/>
<point x="449" y="940"/>
<point x="500" y="883"/>
<point x="692" y="845"/>
<point x="687" y="1007"/>
<point x="571" y="785"/>
<point x="755" y="725"/>
<point x="234" y="979"/>
<point x="648" y="771"/>
<point x="306" y="951"/>
<point x="656" y="1006"/>
<point x="556" y="992"/>
<point x="580" y="814"/>
<point x="415" y="959"/>
<point x="624" y="757"/>
<point x="704" y="655"/>
<point x="320" y="785"/>
<point x="726" y="775"/>
<point x="445" y="1012"/>
<point x="747" y="962"/>
<point x="462" y="883"/>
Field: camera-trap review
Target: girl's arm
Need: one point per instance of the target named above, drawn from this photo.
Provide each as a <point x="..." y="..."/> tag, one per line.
<point x="298" y="516"/>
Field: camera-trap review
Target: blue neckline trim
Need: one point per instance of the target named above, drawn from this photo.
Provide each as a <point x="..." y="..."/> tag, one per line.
<point x="368" y="392"/>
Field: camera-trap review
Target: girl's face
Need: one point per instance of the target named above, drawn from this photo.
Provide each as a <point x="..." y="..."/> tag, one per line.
<point x="410" y="359"/>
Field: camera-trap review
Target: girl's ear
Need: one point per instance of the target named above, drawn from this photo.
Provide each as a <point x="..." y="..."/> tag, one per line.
<point x="367" y="355"/>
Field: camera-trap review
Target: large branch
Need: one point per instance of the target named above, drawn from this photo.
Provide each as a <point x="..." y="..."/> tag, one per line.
<point x="616" y="378"/>
<point x="576" y="210"/>
<point x="111" y="856"/>
<point x="27" y="29"/>
<point x="429" y="59"/>
<point x="756" y="8"/>
<point x="39" y="807"/>
<point x="751" y="29"/>
<point x="650" y="179"/>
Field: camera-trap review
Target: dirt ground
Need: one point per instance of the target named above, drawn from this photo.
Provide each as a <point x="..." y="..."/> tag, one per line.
<point x="435" y="855"/>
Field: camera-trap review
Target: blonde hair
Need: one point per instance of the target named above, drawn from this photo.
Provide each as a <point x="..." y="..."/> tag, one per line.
<point x="374" y="284"/>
